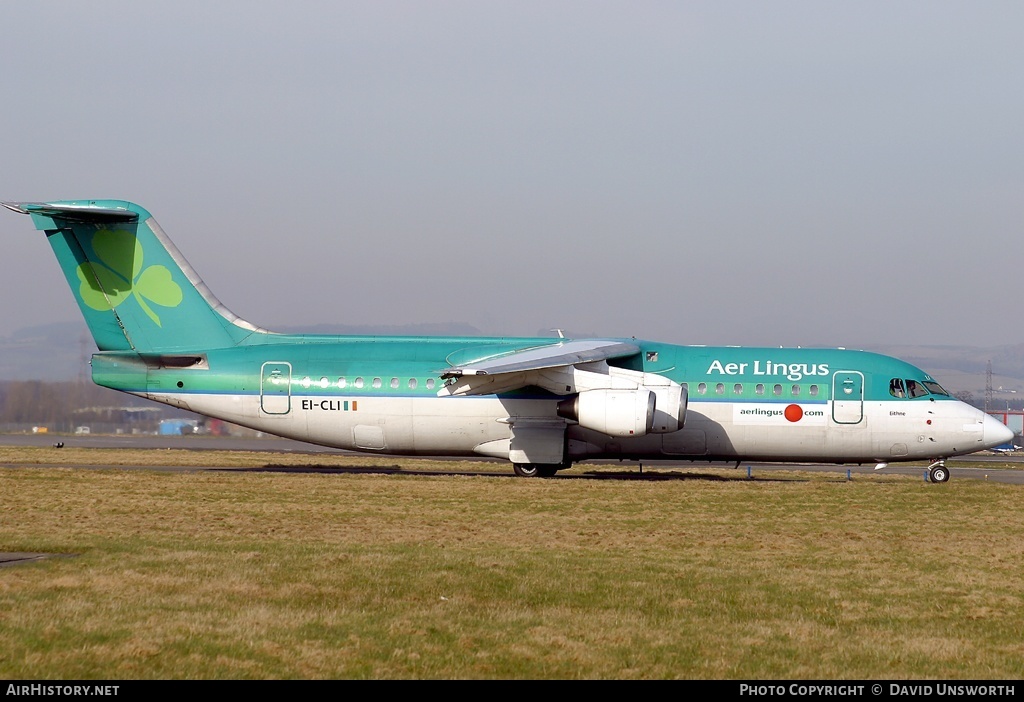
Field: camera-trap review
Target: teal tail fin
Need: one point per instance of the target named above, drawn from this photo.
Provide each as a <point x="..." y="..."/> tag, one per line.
<point x="134" y="288"/>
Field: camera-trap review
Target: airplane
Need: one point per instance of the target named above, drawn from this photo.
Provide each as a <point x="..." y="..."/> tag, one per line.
<point x="1008" y="447"/>
<point x="540" y="403"/>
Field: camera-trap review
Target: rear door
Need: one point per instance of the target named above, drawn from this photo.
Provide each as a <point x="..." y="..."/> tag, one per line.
<point x="276" y="387"/>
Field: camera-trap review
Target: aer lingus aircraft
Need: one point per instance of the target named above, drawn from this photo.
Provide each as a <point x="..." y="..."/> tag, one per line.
<point x="540" y="403"/>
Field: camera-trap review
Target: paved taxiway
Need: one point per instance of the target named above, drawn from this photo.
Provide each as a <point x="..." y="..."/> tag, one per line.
<point x="982" y="466"/>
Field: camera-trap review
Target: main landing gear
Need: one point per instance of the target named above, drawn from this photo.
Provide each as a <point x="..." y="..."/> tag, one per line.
<point x="535" y="470"/>
<point x="938" y="472"/>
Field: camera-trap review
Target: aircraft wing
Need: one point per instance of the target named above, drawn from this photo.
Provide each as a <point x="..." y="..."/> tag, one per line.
<point x="509" y="371"/>
<point x="548" y="356"/>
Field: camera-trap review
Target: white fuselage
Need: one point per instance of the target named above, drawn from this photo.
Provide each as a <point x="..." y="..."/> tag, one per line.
<point x="717" y="430"/>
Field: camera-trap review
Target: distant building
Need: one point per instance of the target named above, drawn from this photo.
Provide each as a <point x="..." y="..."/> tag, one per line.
<point x="176" y="427"/>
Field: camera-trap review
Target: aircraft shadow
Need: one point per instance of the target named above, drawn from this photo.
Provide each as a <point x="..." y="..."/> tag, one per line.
<point x="650" y="475"/>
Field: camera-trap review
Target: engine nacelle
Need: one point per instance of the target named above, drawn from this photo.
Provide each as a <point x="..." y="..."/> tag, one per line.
<point x="670" y="409"/>
<point x="612" y="412"/>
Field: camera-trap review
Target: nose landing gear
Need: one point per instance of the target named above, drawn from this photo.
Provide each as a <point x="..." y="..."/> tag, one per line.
<point x="938" y="472"/>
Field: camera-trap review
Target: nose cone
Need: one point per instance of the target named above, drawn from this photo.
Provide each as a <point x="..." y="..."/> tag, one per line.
<point x="995" y="432"/>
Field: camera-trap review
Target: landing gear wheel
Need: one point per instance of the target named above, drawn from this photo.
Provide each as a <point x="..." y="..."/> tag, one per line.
<point x="535" y="470"/>
<point x="525" y="470"/>
<point x="938" y="474"/>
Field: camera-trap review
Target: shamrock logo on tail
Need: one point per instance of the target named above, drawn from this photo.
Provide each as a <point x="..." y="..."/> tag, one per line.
<point x="120" y="273"/>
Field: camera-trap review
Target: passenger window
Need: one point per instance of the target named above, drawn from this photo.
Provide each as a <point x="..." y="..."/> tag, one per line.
<point x="896" y="388"/>
<point x="759" y="388"/>
<point x="412" y="383"/>
<point x="341" y="382"/>
<point x="916" y="389"/>
<point x="720" y="388"/>
<point x="394" y="383"/>
<point x="737" y="389"/>
<point x="359" y="382"/>
<point x="796" y="390"/>
<point x="777" y="390"/>
<point x="702" y="388"/>
<point x="813" y="392"/>
<point x="324" y="382"/>
<point x="430" y="383"/>
<point x="306" y="382"/>
<point x="376" y="382"/>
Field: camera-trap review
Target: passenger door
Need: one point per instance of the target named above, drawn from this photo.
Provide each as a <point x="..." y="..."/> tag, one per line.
<point x="847" y="397"/>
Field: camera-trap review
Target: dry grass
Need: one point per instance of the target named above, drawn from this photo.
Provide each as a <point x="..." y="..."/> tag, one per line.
<point x="292" y="573"/>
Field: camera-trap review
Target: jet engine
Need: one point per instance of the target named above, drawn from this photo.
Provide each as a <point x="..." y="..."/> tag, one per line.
<point x="612" y="412"/>
<point x="670" y="410"/>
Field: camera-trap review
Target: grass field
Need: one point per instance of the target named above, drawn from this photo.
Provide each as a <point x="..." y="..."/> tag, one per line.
<point x="334" y="567"/>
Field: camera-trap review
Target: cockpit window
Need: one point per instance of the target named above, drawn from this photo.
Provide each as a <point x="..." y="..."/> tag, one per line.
<point x="896" y="388"/>
<point x="935" y="388"/>
<point x="916" y="389"/>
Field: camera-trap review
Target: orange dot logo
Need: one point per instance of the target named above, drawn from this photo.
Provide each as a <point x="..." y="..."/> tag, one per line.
<point x="794" y="413"/>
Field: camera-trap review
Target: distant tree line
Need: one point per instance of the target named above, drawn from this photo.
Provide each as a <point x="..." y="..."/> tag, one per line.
<point x="966" y="396"/>
<point x="61" y="406"/>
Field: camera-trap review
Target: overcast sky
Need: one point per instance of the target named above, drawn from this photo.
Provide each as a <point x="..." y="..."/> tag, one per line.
<point x="779" y="173"/>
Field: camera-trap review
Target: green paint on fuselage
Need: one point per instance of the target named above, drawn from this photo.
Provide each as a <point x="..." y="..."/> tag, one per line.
<point x="331" y="365"/>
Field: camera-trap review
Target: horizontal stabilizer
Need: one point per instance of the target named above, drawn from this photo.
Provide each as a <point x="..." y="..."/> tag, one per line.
<point x="74" y="213"/>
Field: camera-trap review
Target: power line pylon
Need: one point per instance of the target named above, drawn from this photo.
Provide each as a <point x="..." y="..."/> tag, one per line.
<point x="988" y="386"/>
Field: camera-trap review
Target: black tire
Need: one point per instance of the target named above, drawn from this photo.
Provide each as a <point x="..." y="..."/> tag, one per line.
<point x="526" y="470"/>
<point x="535" y="470"/>
<point x="939" y="474"/>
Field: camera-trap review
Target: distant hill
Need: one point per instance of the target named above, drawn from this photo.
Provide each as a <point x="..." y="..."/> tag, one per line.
<point x="61" y="351"/>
